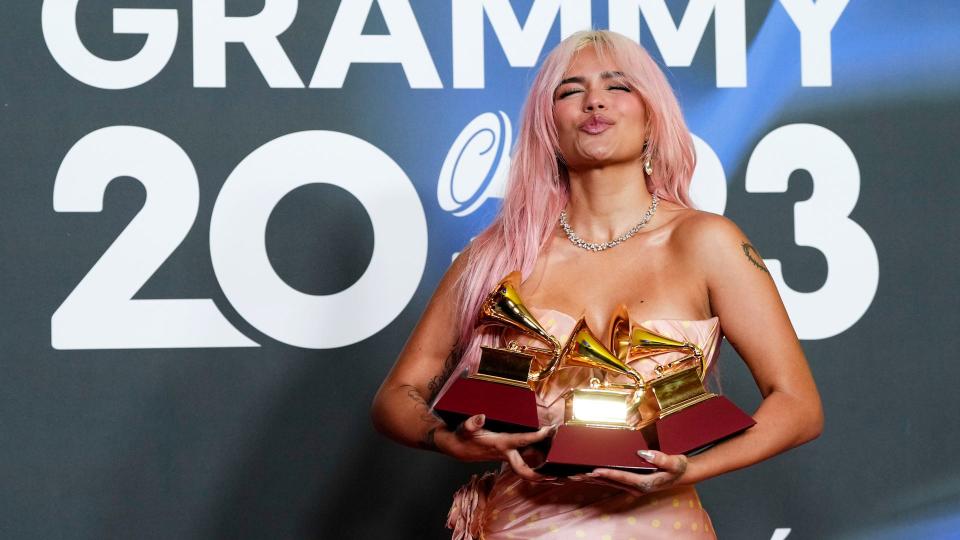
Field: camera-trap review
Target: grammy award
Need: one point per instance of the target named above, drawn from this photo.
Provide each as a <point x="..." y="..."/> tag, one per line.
<point x="606" y="422"/>
<point x="670" y="411"/>
<point x="601" y="422"/>
<point x="680" y="415"/>
<point x="502" y="386"/>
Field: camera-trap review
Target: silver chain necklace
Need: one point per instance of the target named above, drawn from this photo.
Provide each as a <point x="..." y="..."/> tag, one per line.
<point x="600" y="246"/>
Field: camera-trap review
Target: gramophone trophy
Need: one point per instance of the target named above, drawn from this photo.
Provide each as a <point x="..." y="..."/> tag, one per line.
<point x="502" y="386"/>
<point x="607" y="422"/>
<point x="679" y="415"/>
<point x="601" y="423"/>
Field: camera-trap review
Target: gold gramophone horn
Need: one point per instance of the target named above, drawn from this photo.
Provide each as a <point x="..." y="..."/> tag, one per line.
<point x="503" y="306"/>
<point x="644" y="343"/>
<point x="619" y="338"/>
<point x="585" y="350"/>
<point x="513" y="364"/>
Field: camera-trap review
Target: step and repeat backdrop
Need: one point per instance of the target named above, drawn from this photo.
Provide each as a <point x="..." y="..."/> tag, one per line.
<point x="222" y="218"/>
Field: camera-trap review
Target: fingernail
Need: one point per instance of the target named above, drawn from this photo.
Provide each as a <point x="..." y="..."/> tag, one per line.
<point x="483" y="418"/>
<point x="592" y="474"/>
<point x="646" y="454"/>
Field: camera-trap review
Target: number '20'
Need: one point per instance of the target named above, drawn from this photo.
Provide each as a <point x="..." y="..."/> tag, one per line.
<point x="100" y="312"/>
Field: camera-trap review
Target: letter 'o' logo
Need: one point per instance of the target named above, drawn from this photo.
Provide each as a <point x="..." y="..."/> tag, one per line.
<point x="476" y="165"/>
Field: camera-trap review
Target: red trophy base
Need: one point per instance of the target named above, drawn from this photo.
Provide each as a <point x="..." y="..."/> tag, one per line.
<point x="580" y="449"/>
<point x="508" y="408"/>
<point x="697" y="428"/>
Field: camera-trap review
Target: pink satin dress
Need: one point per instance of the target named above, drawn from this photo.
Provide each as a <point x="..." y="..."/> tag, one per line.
<point x="502" y="505"/>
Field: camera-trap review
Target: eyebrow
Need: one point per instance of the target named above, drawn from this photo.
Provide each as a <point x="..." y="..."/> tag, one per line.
<point x="581" y="80"/>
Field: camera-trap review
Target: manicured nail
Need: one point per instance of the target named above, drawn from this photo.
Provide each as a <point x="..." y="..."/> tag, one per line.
<point x="646" y="454"/>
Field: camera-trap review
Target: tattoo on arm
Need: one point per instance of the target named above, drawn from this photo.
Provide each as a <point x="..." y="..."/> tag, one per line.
<point x="754" y="256"/>
<point x="423" y="410"/>
<point x="423" y="407"/>
<point x="437" y="381"/>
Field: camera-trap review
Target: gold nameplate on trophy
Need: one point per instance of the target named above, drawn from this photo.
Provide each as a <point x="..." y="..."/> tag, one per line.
<point x="601" y="407"/>
<point x="674" y="390"/>
<point x="504" y="366"/>
<point x="675" y="386"/>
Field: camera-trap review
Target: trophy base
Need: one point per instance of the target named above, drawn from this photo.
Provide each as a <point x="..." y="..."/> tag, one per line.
<point x="698" y="427"/>
<point x="508" y="408"/>
<point x="580" y="449"/>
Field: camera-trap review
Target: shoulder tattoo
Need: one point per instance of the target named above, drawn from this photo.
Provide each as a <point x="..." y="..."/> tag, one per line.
<point x="753" y="256"/>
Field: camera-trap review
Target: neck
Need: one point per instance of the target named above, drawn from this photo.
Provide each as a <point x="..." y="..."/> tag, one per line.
<point x="607" y="201"/>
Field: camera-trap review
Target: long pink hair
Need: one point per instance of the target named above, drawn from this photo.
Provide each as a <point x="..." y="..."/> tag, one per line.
<point x="538" y="185"/>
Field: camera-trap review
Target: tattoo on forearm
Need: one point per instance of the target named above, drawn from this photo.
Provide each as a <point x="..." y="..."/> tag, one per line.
<point x="422" y="406"/>
<point x="423" y="410"/>
<point x="754" y="256"/>
<point x="437" y="381"/>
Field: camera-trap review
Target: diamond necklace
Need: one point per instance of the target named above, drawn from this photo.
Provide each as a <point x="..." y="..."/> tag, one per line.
<point x="600" y="246"/>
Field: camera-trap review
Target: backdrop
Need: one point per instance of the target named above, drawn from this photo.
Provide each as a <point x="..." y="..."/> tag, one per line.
<point x="221" y="220"/>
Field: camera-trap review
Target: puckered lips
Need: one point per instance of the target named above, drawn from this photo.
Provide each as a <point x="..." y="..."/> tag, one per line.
<point x="595" y="124"/>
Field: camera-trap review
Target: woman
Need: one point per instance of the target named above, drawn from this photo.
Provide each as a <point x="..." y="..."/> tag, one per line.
<point x="597" y="215"/>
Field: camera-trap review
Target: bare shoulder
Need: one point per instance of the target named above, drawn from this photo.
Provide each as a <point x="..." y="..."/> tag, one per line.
<point x="705" y="231"/>
<point x="714" y="244"/>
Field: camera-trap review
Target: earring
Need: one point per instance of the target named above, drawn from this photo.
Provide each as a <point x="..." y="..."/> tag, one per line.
<point x="647" y="167"/>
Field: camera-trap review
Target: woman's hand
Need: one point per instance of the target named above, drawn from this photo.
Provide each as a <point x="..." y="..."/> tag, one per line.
<point x="672" y="469"/>
<point x="470" y="442"/>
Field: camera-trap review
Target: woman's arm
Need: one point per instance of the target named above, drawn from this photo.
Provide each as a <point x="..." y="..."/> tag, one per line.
<point x="401" y="408"/>
<point x="755" y="322"/>
<point x="741" y="292"/>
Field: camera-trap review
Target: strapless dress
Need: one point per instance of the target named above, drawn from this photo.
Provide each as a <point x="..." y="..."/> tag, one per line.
<point x="501" y="505"/>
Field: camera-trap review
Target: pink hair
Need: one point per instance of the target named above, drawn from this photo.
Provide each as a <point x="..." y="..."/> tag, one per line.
<point x="538" y="188"/>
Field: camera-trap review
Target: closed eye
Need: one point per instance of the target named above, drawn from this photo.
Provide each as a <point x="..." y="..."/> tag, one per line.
<point x="572" y="91"/>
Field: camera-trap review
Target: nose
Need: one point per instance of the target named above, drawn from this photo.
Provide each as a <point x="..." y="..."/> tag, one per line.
<point x="594" y="100"/>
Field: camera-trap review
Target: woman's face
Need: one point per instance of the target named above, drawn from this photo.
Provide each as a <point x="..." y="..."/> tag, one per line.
<point x="600" y="120"/>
